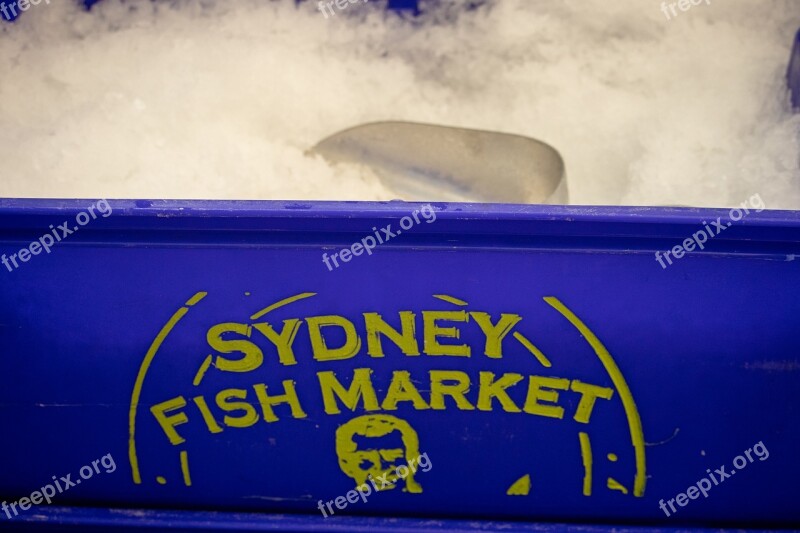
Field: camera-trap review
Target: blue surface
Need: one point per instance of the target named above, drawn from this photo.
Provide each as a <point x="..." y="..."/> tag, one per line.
<point x="12" y="13"/>
<point x="707" y="348"/>
<point x="89" y="519"/>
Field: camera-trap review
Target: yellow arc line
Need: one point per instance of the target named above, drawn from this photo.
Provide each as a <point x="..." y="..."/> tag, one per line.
<point x="613" y="484"/>
<point x="631" y="412"/>
<point x="187" y="479"/>
<point x="202" y="370"/>
<point x="137" y="386"/>
<point x="281" y="303"/>
<point x="450" y="299"/>
<point x="586" y="455"/>
<point x="533" y="349"/>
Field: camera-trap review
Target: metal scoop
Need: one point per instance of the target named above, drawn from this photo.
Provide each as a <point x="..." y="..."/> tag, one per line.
<point x="425" y="162"/>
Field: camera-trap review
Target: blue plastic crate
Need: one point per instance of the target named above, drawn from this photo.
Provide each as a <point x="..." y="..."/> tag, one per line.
<point x="542" y="359"/>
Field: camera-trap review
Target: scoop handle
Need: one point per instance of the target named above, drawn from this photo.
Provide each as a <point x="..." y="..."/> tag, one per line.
<point x="793" y="73"/>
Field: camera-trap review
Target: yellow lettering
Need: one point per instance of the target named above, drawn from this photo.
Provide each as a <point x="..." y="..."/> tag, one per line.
<point x="589" y="393"/>
<point x="250" y="415"/>
<point x="376" y="327"/>
<point x="288" y="397"/>
<point x="402" y="390"/>
<point x="168" y="423"/>
<point x="283" y="340"/>
<point x="490" y="389"/>
<point x="456" y="390"/>
<point x="360" y="388"/>
<point x="321" y="351"/>
<point x="208" y="418"/>
<point x="495" y="332"/>
<point x="432" y="331"/>
<point x="252" y="354"/>
<point x="536" y="394"/>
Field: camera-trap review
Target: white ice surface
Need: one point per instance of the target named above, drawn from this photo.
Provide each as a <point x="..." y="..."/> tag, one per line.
<point x="221" y="100"/>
